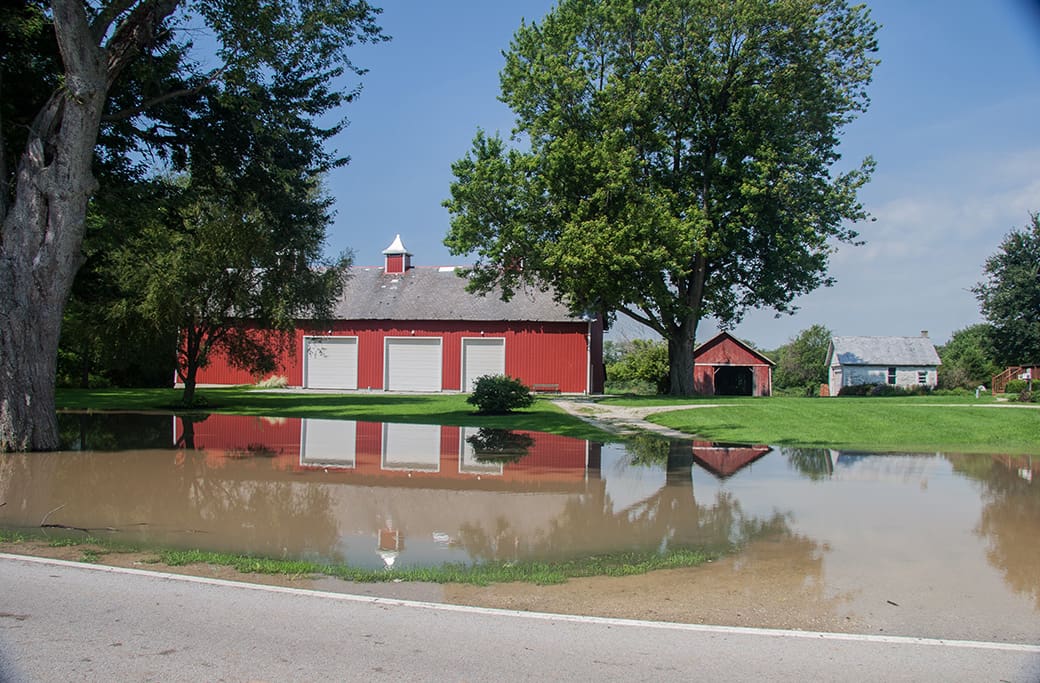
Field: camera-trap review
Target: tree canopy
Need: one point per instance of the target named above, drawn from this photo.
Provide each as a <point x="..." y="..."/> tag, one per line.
<point x="105" y="94"/>
<point x="967" y="359"/>
<point x="671" y="160"/>
<point x="802" y="361"/>
<point x="1009" y="296"/>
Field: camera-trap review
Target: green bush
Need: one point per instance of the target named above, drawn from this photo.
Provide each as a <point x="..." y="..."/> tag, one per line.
<point x="499" y="394"/>
<point x="1028" y="396"/>
<point x="1016" y="386"/>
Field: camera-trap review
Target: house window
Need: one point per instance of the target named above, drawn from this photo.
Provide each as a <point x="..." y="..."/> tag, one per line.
<point x="891" y="375"/>
<point x="922" y="377"/>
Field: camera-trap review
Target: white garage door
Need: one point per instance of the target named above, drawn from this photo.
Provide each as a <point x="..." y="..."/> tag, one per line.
<point x="328" y="442"/>
<point x="413" y="364"/>
<point x="482" y="357"/>
<point x="330" y="362"/>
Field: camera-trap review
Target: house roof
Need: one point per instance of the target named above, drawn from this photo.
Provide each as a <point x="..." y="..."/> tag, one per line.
<point x="437" y="294"/>
<point x="883" y="351"/>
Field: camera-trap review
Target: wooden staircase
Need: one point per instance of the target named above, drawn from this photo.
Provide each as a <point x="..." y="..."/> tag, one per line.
<point x="1000" y="381"/>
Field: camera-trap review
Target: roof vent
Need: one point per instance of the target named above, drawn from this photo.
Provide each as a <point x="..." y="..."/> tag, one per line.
<point x="398" y="260"/>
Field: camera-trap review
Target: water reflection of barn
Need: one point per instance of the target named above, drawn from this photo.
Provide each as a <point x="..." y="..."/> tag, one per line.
<point x="422" y="481"/>
<point x="396" y="454"/>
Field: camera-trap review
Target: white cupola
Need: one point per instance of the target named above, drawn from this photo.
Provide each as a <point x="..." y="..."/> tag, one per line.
<point x="398" y="260"/>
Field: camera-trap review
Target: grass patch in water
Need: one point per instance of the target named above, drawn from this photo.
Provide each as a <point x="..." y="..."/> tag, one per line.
<point x="483" y="574"/>
<point x="542" y="573"/>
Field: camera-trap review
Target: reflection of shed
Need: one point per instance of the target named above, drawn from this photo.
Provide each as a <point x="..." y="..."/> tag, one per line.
<point x="723" y="460"/>
<point x="726" y="366"/>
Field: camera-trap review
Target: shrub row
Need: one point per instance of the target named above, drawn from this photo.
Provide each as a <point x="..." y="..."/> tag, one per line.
<point x="885" y="390"/>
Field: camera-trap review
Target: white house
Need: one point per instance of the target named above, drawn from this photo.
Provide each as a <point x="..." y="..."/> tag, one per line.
<point x="900" y="361"/>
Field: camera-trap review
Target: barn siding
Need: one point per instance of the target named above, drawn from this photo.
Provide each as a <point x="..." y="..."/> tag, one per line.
<point x="536" y="353"/>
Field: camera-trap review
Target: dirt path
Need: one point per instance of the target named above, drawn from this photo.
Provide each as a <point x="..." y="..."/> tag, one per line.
<point x="625" y="419"/>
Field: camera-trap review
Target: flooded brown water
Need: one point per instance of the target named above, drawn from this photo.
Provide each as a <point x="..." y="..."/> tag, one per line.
<point x="951" y="534"/>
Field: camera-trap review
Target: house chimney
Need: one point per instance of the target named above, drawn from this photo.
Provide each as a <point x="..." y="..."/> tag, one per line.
<point x="398" y="260"/>
<point x="924" y="333"/>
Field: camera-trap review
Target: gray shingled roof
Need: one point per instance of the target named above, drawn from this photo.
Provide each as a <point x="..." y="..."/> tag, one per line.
<point x="437" y="294"/>
<point x="884" y="351"/>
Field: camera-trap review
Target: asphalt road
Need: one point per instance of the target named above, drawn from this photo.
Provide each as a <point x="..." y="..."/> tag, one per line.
<point x="63" y="621"/>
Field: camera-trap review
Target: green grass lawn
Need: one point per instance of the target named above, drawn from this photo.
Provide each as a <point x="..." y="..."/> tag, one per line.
<point x="922" y="423"/>
<point x="932" y="423"/>
<point x="446" y="409"/>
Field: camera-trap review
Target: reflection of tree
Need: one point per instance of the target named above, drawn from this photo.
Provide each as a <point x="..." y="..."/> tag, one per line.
<point x="814" y="463"/>
<point x="496" y="544"/>
<point x="187" y="435"/>
<point x="647" y="449"/>
<point x="268" y="515"/>
<point x="1010" y="519"/>
<point x="113" y="431"/>
<point x="499" y="445"/>
<point x="670" y="519"/>
<point x="169" y="496"/>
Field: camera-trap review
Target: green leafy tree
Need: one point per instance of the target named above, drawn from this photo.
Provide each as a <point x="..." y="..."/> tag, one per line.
<point x="102" y="342"/>
<point x="967" y="359"/>
<point x="1009" y="296"/>
<point x="803" y="360"/>
<point x="673" y="160"/>
<point x="641" y="360"/>
<point x="105" y="86"/>
<point x="218" y="271"/>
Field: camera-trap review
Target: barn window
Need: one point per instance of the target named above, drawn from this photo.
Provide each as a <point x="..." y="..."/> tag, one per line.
<point x="891" y="375"/>
<point x="922" y="377"/>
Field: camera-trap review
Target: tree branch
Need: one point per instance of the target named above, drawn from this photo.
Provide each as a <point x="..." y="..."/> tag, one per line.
<point x="148" y="104"/>
<point x="645" y="320"/>
<point x="71" y="30"/>
<point x="104" y="20"/>
<point x="136" y="33"/>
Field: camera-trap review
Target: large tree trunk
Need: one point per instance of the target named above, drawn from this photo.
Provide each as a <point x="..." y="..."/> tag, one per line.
<point x="684" y="335"/>
<point x="42" y="235"/>
<point x="680" y="358"/>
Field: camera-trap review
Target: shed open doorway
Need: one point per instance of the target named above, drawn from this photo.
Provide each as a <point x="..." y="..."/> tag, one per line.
<point x="734" y="381"/>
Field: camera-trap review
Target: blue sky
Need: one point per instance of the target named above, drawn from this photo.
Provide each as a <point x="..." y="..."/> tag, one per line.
<point x="953" y="126"/>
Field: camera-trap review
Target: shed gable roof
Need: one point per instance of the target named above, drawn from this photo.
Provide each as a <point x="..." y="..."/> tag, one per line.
<point x="726" y="349"/>
<point x="437" y="294"/>
<point x="883" y="351"/>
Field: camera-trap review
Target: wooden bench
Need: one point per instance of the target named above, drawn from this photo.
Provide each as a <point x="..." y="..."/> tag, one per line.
<point x="546" y="388"/>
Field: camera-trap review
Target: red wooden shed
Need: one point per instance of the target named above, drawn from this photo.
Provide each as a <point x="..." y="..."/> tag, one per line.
<point x="726" y="366"/>
<point x="406" y="329"/>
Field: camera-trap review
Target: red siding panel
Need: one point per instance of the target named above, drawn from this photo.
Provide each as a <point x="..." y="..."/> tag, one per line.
<point x="536" y="353"/>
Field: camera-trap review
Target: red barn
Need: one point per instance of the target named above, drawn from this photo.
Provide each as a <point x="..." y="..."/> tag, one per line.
<point x="401" y="328"/>
<point x="726" y="366"/>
